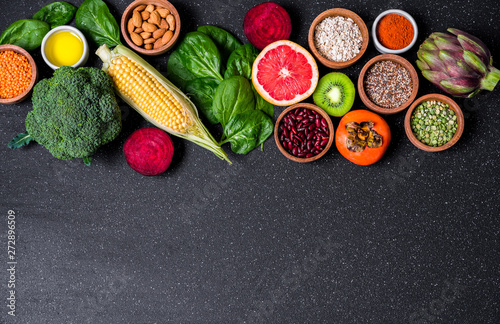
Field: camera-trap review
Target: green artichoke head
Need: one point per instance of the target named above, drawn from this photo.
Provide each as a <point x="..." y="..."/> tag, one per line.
<point x="457" y="63"/>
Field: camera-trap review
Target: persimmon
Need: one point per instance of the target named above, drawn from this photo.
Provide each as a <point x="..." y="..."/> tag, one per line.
<point x="362" y="137"/>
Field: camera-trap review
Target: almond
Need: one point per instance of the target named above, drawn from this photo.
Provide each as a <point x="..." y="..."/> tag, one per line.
<point x="163" y="12"/>
<point x="164" y="24"/>
<point x="145" y="15"/>
<point x="167" y="37"/>
<point x="136" y="19"/>
<point x="149" y="41"/>
<point x="130" y="26"/>
<point x="155" y="18"/>
<point x="148" y="27"/>
<point x="148" y="46"/>
<point x="145" y="35"/>
<point x="158" y="43"/>
<point x="150" y="8"/>
<point x="138" y="30"/>
<point x="171" y="21"/>
<point x="136" y="39"/>
<point x="140" y="8"/>
<point x="159" y="33"/>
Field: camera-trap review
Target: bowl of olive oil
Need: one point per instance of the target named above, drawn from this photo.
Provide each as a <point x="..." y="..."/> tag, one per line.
<point x="65" y="46"/>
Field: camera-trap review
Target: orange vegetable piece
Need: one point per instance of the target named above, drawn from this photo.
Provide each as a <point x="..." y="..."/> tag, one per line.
<point x="368" y="155"/>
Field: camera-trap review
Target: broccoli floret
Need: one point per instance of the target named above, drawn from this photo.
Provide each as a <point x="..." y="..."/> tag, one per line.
<point x="74" y="112"/>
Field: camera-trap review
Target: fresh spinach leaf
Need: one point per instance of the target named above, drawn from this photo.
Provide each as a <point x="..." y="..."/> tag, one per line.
<point x="248" y="130"/>
<point x="20" y="140"/>
<point x="94" y="19"/>
<point x="56" y="13"/>
<point x="202" y="91"/>
<point x="225" y="42"/>
<point x="179" y="74"/>
<point x="240" y="61"/>
<point x="263" y="105"/>
<point x="25" y="33"/>
<point x="197" y="57"/>
<point x="232" y="97"/>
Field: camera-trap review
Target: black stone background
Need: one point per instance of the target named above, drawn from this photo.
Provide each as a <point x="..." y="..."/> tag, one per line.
<point x="411" y="239"/>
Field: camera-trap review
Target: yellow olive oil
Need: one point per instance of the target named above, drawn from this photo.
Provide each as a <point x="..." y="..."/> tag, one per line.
<point x="64" y="48"/>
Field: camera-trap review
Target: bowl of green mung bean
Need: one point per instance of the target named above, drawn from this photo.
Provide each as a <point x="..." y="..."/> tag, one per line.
<point x="434" y="122"/>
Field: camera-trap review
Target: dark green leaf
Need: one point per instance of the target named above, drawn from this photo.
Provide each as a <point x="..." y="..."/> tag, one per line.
<point x="248" y="130"/>
<point x="20" y="140"/>
<point x="87" y="160"/>
<point x="263" y="105"/>
<point x="232" y="97"/>
<point x="25" y="33"/>
<point x="196" y="57"/>
<point x="56" y="13"/>
<point x="202" y="91"/>
<point x="240" y="61"/>
<point x="177" y="72"/>
<point x="95" y="21"/>
<point x="226" y="43"/>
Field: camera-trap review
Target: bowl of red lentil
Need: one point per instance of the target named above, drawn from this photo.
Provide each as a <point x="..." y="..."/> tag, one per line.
<point x="18" y="74"/>
<point x="434" y="122"/>
<point x="394" y="31"/>
<point x="388" y="84"/>
<point x="338" y="38"/>
<point x="303" y="132"/>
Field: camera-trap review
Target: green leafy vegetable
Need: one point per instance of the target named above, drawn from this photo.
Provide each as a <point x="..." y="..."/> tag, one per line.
<point x="179" y="74"/>
<point x="248" y="130"/>
<point x="225" y="42"/>
<point x="240" y="61"/>
<point x="94" y="19"/>
<point x="233" y="96"/>
<point x="263" y="105"/>
<point x="56" y="13"/>
<point x="202" y="92"/>
<point x="21" y="139"/>
<point x="25" y="33"/>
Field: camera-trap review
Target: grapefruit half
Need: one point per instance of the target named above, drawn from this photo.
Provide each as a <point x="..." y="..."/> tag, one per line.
<point x="284" y="73"/>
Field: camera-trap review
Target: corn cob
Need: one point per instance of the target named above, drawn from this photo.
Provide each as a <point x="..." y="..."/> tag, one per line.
<point x="155" y="97"/>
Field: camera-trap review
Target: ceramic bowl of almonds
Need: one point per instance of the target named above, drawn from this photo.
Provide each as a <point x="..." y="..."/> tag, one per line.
<point x="388" y="84"/>
<point x="151" y="27"/>
<point x="338" y="38"/>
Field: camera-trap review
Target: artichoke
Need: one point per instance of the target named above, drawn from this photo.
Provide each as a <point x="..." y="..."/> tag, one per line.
<point x="458" y="63"/>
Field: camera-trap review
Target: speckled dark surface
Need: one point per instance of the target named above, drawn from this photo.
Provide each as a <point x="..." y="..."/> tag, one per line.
<point x="411" y="239"/>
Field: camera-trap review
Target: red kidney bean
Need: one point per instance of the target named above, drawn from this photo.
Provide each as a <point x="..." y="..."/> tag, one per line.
<point x="303" y="132"/>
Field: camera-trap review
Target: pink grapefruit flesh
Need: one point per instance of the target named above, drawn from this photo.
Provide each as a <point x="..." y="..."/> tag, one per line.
<point x="285" y="73"/>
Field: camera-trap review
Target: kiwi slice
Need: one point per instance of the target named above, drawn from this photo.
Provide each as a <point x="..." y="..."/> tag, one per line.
<point x="335" y="94"/>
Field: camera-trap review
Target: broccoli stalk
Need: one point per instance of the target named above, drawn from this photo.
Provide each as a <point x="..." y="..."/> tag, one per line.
<point x="74" y="113"/>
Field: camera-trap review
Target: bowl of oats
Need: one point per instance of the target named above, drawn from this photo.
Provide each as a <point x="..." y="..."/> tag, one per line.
<point x="338" y="38"/>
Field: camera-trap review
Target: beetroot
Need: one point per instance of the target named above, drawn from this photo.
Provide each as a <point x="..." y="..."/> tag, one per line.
<point x="149" y="151"/>
<point x="266" y="23"/>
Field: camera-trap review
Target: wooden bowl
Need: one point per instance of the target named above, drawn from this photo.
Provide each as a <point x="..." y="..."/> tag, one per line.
<point x="452" y="105"/>
<point x="127" y="14"/>
<point x="396" y="59"/>
<point x="319" y="111"/>
<point x="34" y="74"/>
<point x="333" y="13"/>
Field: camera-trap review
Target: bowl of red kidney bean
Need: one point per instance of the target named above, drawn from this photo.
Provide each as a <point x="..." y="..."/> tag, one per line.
<point x="303" y="132"/>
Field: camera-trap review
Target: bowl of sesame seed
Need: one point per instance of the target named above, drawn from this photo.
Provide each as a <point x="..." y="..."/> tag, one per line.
<point x="338" y="38"/>
<point x="18" y="74"/>
<point x="388" y="84"/>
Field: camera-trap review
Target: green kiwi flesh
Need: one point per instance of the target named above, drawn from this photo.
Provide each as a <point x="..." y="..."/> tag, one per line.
<point x="335" y="94"/>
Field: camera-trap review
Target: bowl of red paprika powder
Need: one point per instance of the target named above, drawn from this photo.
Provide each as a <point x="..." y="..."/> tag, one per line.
<point x="394" y="31"/>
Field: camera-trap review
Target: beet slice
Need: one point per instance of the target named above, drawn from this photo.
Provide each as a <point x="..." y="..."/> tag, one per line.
<point x="149" y="151"/>
<point x="266" y="23"/>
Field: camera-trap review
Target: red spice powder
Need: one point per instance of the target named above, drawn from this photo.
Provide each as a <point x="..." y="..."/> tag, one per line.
<point x="394" y="31"/>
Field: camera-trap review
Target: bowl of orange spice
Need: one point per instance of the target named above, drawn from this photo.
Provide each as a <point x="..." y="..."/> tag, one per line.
<point x="18" y="74"/>
<point x="394" y="31"/>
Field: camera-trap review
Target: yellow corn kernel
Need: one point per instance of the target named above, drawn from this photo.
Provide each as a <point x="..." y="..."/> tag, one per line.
<point x="148" y="94"/>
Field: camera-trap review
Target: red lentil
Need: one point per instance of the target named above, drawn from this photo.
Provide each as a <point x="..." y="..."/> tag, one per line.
<point x="15" y="74"/>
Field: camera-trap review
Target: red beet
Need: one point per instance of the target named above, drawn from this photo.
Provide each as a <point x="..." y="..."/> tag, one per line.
<point x="149" y="151"/>
<point x="267" y="23"/>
